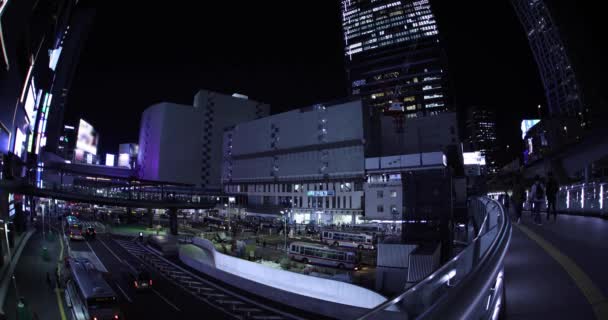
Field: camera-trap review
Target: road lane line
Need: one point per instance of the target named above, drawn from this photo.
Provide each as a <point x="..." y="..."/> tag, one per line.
<point x="117" y="257"/>
<point x="111" y="251"/>
<point x="592" y="293"/>
<point x="166" y="300"/>
<point x="57" y="291"/>
<point x="123" y="293"/>
<point x="97" y="257"/>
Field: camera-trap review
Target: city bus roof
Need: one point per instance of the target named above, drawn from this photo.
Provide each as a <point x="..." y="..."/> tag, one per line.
<point x="319" y="246"/>
<point x="89" y="280"/>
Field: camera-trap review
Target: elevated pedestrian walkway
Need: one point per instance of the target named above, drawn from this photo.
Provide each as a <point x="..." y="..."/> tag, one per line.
<point x="558" y="270"/>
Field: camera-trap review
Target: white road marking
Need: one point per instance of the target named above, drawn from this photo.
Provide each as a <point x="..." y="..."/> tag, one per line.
<point x="166" y="300"/>
<point x="103" y="267"/>
<point x="124" y="293"/>
<point x="117" y="257"/>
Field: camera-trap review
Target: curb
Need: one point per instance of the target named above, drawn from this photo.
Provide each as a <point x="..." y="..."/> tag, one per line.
<point x="11" y="268"/>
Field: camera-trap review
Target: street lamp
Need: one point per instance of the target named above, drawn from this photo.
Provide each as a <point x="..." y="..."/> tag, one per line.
<point x="284" y="213"/>
<point x="228" y="213"/>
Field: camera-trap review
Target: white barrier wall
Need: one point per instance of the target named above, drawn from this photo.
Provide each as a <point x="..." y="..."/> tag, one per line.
<point x="319" y="288"/>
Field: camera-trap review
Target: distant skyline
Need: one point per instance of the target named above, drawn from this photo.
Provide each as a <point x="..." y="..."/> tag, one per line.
<point x="133" y="60"/>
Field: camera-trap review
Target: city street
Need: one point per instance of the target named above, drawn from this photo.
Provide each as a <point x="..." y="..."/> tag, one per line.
<point x="164" y="301"/>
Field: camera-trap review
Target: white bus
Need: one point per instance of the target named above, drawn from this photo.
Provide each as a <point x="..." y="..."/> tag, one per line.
<point x="348" y="239"/>
<point x="88" y="295"/>
<point x="322" y="255"/>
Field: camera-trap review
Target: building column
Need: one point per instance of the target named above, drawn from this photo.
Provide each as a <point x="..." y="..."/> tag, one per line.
<point x="173" y="221"/>
<point x="150" y="217"/>
<point x="3" y="219"/>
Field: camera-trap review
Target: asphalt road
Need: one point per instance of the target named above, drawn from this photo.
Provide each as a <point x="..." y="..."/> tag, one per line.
<point x="164" y="301"/>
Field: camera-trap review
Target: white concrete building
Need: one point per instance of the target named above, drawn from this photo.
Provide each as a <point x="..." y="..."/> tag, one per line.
<point x="423" y="134"/>
<point x="383" y="186"/>
<point x="183" y="144"/>
<point x="310" y="160"/>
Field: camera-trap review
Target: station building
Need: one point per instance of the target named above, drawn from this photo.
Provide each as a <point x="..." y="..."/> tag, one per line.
<point x="307" y="162"/>
<point x="183" y="143"/>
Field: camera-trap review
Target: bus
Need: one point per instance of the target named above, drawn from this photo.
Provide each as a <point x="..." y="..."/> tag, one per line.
<point x="348" y="239"/>
<point x="88" y="295"/>
<point x="70" y="220"/>
<point x="74" y="228"/>
<point x="322" y="255"/>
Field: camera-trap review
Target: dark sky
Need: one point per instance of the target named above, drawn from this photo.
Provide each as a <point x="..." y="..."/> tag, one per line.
<point x="286" y="54"/>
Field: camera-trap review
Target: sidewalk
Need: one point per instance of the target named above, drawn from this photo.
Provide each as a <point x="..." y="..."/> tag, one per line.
<point x="31" y="279"/>
<point x="555" y="271"/>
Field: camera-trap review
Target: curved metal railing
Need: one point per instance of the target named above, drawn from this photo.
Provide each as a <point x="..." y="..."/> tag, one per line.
<point x="470" y="285"/>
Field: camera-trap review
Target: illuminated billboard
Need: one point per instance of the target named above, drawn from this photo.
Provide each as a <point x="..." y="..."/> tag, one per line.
<point x="109" y="160"/>
<point x="526" y="125"/>
<point x="471" y="158"/>
<point x="87" y="138"/>
<point x="19" y="143"/>
<point x="123" y="160"/>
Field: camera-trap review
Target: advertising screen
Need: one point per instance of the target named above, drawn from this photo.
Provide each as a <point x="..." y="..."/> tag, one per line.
<point x="123" y="160"/>
<point x="109" y="160"/>
<point x="526" y="125"/>
<point x="471" y="158"/>
<point x="19" y="143"/>
<point x="87" y="138"/>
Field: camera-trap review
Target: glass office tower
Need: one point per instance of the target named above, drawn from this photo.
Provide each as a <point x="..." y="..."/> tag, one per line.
<point x="393" y="57"/>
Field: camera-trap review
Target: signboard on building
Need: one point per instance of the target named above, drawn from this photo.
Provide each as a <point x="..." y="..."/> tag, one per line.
<point x="320" y="193"/>
<point x="526" y="125"/>
<point x="87" y="138"/>
<point x="471" y="158"/>
<point x="109" y="160"/>
<point x="123" y="160"/>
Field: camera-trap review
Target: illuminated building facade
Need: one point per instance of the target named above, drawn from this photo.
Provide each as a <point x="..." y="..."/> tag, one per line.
<point x="169" y="131"/>
<point x="559" y="81"/>
<point x="38" y="58"/>
<point x="393" y="58"/>
<point x="481" y="130"/>
<point x="308" y="162"/>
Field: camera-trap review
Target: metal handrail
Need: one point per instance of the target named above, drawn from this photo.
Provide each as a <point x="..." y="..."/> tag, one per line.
<point x="469" y="288"/>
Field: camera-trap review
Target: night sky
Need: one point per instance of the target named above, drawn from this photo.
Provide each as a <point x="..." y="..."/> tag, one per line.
<point x="288" y="55"/>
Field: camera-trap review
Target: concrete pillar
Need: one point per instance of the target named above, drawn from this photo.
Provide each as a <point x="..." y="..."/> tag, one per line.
<point x="3" y="219"/>
<point x="150" y="217"/>
<point x="173" y="221"/>
<point x="588" y="171"/>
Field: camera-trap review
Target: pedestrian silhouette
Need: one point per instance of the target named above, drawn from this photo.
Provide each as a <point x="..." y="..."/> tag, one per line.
<point x="552" y="189"/>
<point x="49" y="282"/>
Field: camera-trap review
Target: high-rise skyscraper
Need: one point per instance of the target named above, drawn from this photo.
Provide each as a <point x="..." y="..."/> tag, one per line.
<point x="38" y="58"/>
<point x="481" y="131"/>
<point x="393" y="56"/>
<point x="559" y="81"/>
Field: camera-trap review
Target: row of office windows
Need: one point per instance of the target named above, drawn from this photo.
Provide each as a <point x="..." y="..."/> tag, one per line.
<point x="329" y="202"/>
<point x="297" y="187"/>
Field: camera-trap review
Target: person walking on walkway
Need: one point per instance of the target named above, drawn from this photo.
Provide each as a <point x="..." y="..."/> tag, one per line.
<point x="49" y="282"/>
<point x="552" y="189"/>
<point x="537" y="197"/>
<point x="519" y="196"/>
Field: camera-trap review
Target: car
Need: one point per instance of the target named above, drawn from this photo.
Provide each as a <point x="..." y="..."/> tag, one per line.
<point x="142" y="280"/>
<point x="90" y="233"/>
<point x="75" y="232"/>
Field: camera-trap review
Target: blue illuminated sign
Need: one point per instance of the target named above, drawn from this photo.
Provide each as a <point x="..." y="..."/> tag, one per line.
<point x="320" y="193"/>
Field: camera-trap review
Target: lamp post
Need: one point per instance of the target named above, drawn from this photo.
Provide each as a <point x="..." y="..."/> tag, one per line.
<point x="284" y="213"/>
<point x="228" y="213"/>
